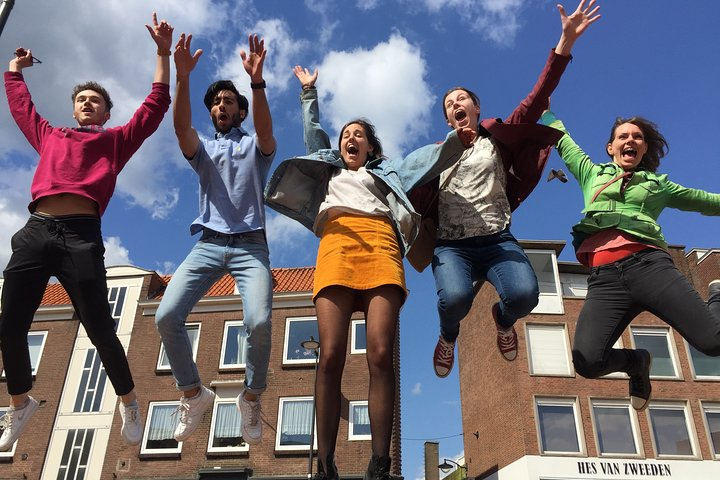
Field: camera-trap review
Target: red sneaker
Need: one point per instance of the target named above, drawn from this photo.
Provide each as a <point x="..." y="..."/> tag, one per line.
<point x="444" y="357"/>
<point x="507" y="339"/>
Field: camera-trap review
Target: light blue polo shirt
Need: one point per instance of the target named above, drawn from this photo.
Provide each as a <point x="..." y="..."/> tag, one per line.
<point x="233" y="172"/>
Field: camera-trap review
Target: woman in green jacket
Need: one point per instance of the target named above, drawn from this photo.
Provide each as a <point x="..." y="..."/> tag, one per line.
<point x="630" y="269"/>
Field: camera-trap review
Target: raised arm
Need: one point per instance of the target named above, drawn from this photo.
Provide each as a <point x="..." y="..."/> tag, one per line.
<point x="22" y="59"/>
<point x="315" y="137"/>
<point x="188" y="138"/>
<point x="575" y="24"/>
<point x="262" y="119"/>
<point x="161" y="34"/>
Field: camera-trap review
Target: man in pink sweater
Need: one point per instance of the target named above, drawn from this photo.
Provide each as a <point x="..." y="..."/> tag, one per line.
<point x="72" y="186"/>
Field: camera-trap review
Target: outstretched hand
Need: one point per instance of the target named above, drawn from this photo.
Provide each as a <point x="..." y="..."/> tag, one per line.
<point x="575" y="24"/>
<point x="184" y="61"/>
<point x="307" y="79"/>
<point x="253" y="62"/>
<point x="161" y="33"/>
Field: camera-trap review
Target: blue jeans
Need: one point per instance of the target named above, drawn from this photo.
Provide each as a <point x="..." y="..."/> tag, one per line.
<point x="458" y="265"/>
<point x="245" y="257"/>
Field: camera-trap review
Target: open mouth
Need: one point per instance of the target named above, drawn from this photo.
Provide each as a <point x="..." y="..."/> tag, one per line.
<point x="352" y="149"/>
<point x="222" y="117"/>
<point x="629" y="152"/>
<point x="460" y="115"/>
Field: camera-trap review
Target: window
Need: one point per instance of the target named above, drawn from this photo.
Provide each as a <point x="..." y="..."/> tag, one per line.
<point x="158" y="438"/>
<point x="712" y="423"/>
<point x="548" y="350"/>
<point x="616" y="429"/>
<point x="671" y="430"/>
<point x="7" y="455"/>
<point x="36" y="344"/>
<point x="92" y="384"/>
<point x="294" y="427"/>
<point x="559" y="426"/>
<point x="574" y="285"/>
<point x="544" y="263"/>
<point x="234" y="345"/>
<point x="359" y="338"/>
<point x="704" y="367"/>
<point x="193" y="330"/>
<point x="76" y="454"/>
<point x="297" y="331"/>
<point x="225" y="433"/>
<point x="359" y="428"/>
<point x="116" y="298"/>
<point x="657" y="342"/>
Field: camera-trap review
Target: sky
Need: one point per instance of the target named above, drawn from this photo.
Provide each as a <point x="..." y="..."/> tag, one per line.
<point x="389" y="61"/>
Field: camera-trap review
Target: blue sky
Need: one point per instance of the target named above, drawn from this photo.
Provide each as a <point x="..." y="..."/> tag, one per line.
<point x="389" y="61"/>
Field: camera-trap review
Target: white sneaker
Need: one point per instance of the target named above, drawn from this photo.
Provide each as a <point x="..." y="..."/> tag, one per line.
<point x="191" y="412"/>
<point x="251" y="423"/>
<point x="14" y="421"/>
<point x="132" y="427"/>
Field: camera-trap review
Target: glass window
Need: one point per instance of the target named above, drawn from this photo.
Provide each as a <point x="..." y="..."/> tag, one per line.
<point x="225" y="433"/>
<point x="615" y="428"/>
<point x="234" y="345"/>
<point x="712" y="422"/>
<point x="359" y="428"/>
<point x="193" y="330"/>
<point x="294" y="422"/>
<point x="36" y="344"/>
<point x="558" y="426"/>
<point x="160" y="429"/>
<point x="92" y="384"/>
<point x="549" y="350"/>
<point x="76" y="454"/>
<point x="11" y="452"/>
<point x="657" y="342"/>
<point x="544" y="263"/>
<point x="297" y="331"/>
<point x="359" y="337"/>
<point x="704" y="366"/>
<point x="116" y="298"/>
<point x="671" y="430"/>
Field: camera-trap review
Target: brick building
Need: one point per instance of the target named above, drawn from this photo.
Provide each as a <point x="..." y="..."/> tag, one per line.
<point x="76" y="432"/>
<point x="536" y="419"/>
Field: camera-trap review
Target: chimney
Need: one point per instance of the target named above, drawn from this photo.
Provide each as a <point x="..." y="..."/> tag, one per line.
<point x="432" y="460"/>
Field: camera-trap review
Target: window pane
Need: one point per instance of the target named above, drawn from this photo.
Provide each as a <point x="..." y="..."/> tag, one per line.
<point x="298" y="332"/>
<point x="35" y="342"/>
<point x="543" y="265"/>
<point x="713" y="421"/>
<point x="162" y="427"/>
<point x="614" y="430"/>
<point x="657" y="345"/>
<point x="360" y="420"/>
<point x="192" y="331"/>
<point x="235" y="343"/>
<point x="227" y="426"/>
<point x="557" y="428"/>
<point x="360" y="336"/>
<point x="296" y="418"/>
<point x="670" y="431"/>
<point x="548" y="350"/>
<point x="704" y="365"/>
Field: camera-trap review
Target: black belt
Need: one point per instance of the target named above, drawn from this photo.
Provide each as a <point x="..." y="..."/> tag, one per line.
<point x="210" y="233"/>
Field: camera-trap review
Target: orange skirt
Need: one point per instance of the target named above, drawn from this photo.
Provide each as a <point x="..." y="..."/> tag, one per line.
<point x="359" y="252"/>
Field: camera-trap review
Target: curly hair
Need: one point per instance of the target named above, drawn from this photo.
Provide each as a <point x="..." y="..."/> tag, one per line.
<point x="657" y="145"/>
<point x="95" y="87"/>
<point x="373" y="140"/>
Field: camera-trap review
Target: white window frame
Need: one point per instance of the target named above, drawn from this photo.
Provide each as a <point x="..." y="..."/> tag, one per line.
<point x="354" y="325"/>
<point x="530" y="327"/>
<point x="692" y="433"/>
<point x="7" y="455"/>
<point x="157" y="452"/>
<point x="710" y="407"/>
<point x="166" y="368"/>
<point x="35" y="333"/>
<point x="281" y="413"/>
<point x="296" y="361"/>
<point x="351" y="420"/>
<point x="708" y="378"/>
<point x="563" y="402"/>
<point x="224" y="397"/>
<point x="634" y="426"/>
<point x="660" y="331"/>
<point x="232" y="366"/>
<point x="548" y="303"/>
<point x="574" y="285"/>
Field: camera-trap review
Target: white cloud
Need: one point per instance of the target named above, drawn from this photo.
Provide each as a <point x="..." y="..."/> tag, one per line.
<point x="385" y="84"/>
<point x="417" y="389"/>
<point x="367" y="4"/>
<point x="115" y="252"/>
<point x="290" y="243"/>
<point x="327" y="25"/>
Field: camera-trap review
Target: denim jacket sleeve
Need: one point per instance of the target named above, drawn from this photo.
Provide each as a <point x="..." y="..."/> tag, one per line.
<point x="315" y="137"/>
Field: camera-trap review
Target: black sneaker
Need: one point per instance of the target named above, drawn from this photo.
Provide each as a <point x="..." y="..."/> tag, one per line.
<point x="640" y="387"/>
<point x="379" y="469"/>
<point x="329" y="473"/>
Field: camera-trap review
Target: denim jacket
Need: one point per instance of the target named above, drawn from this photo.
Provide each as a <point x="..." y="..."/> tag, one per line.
<point x="636" y="208"/>
<point x="299" y="185"/>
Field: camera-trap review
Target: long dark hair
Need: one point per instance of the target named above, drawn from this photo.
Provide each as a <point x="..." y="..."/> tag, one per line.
<point x="373" y="140"/>
<point x="657" y="145"/>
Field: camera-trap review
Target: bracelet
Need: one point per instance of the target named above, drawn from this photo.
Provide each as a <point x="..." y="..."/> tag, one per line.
<point x="258" y="86"/>
<point x="308" y="87"/>
<point x="163" y="52"/>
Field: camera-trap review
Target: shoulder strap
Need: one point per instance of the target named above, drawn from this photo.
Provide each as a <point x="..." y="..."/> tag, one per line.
<point x="625" y="174"/>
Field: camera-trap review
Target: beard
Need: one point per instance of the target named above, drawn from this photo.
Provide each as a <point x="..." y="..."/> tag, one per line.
<point x="236" y="121"/>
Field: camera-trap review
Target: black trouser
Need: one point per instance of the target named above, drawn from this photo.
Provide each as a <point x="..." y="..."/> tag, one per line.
<point x="644" y="281"/>
<point x="70" y="248"/>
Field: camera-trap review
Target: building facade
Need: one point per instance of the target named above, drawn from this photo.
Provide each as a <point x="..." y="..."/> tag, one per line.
<point x="76" y="432"/>
<point x="536" y="419"/>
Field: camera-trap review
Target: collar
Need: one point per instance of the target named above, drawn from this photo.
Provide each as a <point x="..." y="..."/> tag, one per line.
<point x="89" y="128"/>
<point x="235" y="132"/>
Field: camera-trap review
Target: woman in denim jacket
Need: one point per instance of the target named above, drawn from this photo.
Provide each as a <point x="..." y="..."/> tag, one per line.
<point x="355" y="200"/>
<point x="631" y="271"/>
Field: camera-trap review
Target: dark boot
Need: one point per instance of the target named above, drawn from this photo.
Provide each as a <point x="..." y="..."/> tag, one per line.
<point x="379" y="469"/>
<point x="640" y="387"/>
<point x="327" y="471"/>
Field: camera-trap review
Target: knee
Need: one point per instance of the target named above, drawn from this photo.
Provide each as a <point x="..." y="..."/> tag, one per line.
<point x="584" y="366"/>
<point x="167" y="317"/>
<point x="331" y="363"/>
<point x="380" y="359"/>
<point x="522" y="302"/>
<point x="455" y="302"/>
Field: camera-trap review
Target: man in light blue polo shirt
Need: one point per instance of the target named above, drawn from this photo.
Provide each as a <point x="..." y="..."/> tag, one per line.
<point x="233" y="169"/>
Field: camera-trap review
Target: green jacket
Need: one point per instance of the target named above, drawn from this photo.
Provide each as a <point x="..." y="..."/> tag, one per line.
<point x="635" y="211"/>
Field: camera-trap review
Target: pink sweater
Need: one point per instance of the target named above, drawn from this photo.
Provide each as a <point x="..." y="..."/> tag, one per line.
<point x="84" y="163"/>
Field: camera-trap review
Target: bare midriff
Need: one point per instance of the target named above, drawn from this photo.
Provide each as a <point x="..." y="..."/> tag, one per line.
<point x="66" y="204"/>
